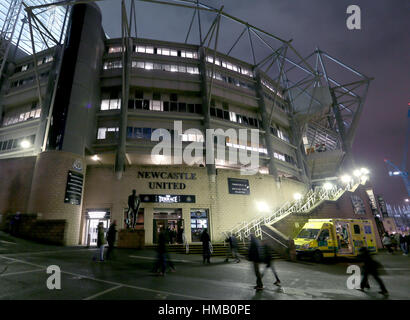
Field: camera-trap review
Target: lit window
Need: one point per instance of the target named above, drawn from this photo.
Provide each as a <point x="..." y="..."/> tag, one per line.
<point x="115" y="104"/>
<point x="140" y="49"/>
<point x="232" y="116"/>
<point x="174" y="53"/>
<point x="165" y="52"/>
<point x="38" y="113"/>
<point x="139" y="64"/>
<point x="114" y="49"/>
<point x="156" y="105"/>
<point x="149" y="50"/>
<point x="223" y="64"/>
<point x="149" y="65"/>
<point x="101" y="133"/>
<point x="189" y="54"/>
<point x="174" y="68"/>
<point x="182" y="69"/>
<point x="105" y="104"/>
<point x="24" y="68"/>
<point x="209" y="59"/>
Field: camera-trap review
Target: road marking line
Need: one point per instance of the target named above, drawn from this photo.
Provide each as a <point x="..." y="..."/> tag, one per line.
<point x="102" y="292"/>
<point x="42" y="252"/>
<point x="21" y="272"/>
<point x="4" y="241"/>
<point x="154" y="258"/>
<point x="112" y="282"/>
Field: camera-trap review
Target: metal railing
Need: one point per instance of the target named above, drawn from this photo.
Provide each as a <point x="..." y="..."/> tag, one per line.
<point x="310" y="200"/>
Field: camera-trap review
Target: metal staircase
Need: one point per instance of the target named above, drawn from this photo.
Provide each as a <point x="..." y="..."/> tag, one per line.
<point x="311" y="199"/>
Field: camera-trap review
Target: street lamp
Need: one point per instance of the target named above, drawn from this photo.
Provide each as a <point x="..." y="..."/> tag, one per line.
<point x="346" y="178"/>
<point x="25" y="144"/>
<point x="297" y="196"/>
<point x="262" y="206"/>
<point x="95" y="157"/>
<point x="327" y="186"/>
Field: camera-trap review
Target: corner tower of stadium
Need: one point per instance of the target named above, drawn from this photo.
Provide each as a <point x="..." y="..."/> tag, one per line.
<point x="78" y="115"/>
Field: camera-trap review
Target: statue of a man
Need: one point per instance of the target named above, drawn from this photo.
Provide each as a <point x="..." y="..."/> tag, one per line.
<point x="133" y="206"/>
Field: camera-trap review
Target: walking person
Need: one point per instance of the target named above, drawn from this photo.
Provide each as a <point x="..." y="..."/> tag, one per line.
<point x="232" y="249"/>
<point x="370" y="268"/>
<point x="387" y="243"/>
<point x="185" y="242"/>
<point x="396" y="241"/>
<point x="255" y="257"/>
<point x="111" y="235"/>
<point x="163" y="259"/>
<point x="268" y="257"/>
<point x="403" y="245"/>
<point x="100" y="242"/>
<point x="206" y="243"/>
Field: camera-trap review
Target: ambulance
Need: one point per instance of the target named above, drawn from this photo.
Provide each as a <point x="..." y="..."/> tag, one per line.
<point x="327" y="238"/>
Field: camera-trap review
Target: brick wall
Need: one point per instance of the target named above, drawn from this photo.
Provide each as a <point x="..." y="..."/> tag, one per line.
<point x="15" y="183"/>
<point x="45" y="231"/>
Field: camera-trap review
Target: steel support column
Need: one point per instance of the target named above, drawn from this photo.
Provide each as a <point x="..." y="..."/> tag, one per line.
<point x="265" y="124"/>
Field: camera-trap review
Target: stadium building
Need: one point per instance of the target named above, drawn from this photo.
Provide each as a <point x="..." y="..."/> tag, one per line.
<point x="77" y="119"/>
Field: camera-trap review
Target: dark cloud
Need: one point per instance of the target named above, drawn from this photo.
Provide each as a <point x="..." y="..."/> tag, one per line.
<point x="381" y="50"/>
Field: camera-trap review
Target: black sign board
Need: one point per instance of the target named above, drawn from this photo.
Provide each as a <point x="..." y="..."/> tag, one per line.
<point x="167" y="198"/>
<point x="74" y="188"/>
<point x="238" y="186"/>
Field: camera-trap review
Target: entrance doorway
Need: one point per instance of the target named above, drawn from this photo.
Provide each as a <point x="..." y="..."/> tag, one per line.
<point x="169" y="220"/>
<point x="93" y="218"/>
<point x="344" y="238"/>
<point x="199" y="222"/>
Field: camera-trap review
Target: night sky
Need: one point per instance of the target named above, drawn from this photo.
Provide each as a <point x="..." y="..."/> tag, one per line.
<point x="381" y="49"/>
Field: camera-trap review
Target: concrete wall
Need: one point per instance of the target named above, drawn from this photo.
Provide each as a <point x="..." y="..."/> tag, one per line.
<point x="48" y="191"/>
<point x="103" y="190"/>
<point x="15" y="183"/>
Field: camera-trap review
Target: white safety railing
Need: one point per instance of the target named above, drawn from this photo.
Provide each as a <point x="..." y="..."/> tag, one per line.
<point x="310" y="200"/>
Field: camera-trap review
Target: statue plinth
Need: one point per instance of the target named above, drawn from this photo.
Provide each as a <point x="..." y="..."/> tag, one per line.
<point x="131" y="238"/>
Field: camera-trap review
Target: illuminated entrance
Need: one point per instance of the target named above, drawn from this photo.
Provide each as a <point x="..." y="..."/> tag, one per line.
<point x="93" y="218"/>
<point x="169" y="220"/>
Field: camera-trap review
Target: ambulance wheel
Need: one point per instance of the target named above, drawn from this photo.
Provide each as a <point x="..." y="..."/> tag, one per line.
<point x="317" y="256"/>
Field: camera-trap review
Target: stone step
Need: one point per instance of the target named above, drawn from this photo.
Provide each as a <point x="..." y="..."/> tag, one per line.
<point x="218" y="249"/>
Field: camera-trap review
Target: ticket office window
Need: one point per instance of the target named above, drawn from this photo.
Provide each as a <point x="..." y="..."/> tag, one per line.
<point x="199" y="222"/>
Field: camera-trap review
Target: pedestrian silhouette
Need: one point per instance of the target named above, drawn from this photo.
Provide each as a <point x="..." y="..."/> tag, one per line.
<point x="206" y="250"/>
<point x="111" y="235"/>
<point x="268" y="259"/>
<point x="370" y="268"/>
<point x="232" y="249"/>
<point x="255" y="256"/>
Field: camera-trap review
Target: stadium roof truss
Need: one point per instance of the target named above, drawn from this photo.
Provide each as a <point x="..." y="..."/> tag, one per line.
<point x="319" y="88"/>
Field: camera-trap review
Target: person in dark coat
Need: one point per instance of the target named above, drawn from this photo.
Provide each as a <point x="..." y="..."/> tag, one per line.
<point x="255" y="257"/>
<point x="179" y="236"/>
<point x="206" y="252"/>
<point x="161" y="253"/>
<point x="232" y="249"/>
<point x="268" y="259"/>
<point x="370" y="268"/>
<point x="100" y="242"/>
<point x="403" y="245"/>
<point x="111" y="235"/>
<point x="163" y="258"/>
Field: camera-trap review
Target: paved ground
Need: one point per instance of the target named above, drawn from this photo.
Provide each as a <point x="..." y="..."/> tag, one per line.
<point x="23" y="276"/>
